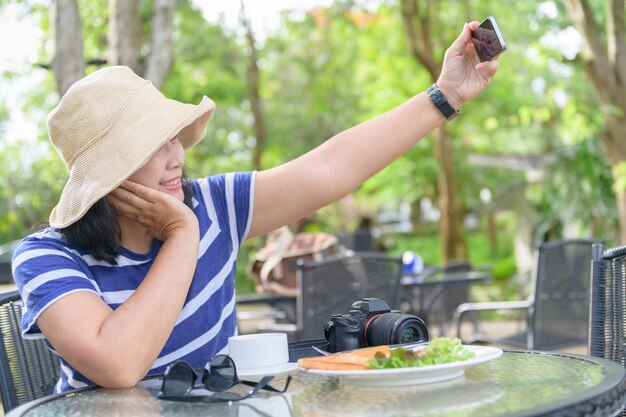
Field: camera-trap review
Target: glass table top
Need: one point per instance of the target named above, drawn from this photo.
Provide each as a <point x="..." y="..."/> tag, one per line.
<point x="516" y="384"/>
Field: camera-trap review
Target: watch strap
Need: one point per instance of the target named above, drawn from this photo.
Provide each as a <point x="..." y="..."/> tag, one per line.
<point x="441" y="102"/>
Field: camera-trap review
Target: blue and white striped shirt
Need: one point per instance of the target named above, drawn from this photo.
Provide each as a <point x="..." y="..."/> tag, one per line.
<point x="47" y="268"/>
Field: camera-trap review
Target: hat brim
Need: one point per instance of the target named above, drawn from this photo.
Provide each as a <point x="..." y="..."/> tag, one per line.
<point x="127" y="147"/>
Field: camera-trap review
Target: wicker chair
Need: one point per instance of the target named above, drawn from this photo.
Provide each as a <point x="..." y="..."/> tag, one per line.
<point x="607" y="331"/>
<point x="28" y="369"/>
<point x="608" y="304"/>
<point x="557" y="311"/>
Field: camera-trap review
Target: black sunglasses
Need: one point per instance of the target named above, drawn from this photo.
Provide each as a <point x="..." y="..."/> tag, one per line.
<point x="217" y="376"/>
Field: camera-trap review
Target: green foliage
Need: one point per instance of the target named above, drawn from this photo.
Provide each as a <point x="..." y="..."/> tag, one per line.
<point x="309" y="87"/>
<point x="501" y="258"/>
<point x="26" y="198"/>
<point x="620" y="177"/>
<point x="330" y="68"/>
<point x="209" y="60"/>
<point x="392" y="76"/>
<point x="4" y="115"/>
<point x="579" y="187"/>
<point x="94" y="15"/>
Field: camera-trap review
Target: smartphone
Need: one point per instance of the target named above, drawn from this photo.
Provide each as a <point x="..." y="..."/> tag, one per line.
<point x="488" y="40"/>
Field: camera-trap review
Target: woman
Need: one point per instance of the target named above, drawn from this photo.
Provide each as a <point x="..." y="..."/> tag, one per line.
<point x="128" y="278"/>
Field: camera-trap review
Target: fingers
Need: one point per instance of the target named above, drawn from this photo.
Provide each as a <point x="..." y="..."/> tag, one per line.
<point x="130" y="199"/>
<point x="160" y="214"/>
<point x="458" y="46"/>
<point x="473" y="25"/>
<point x="488" y="69"/>
<point x="134" y="194"/>
<point x="461" y="41"/>
<point x="136" y="188"/>
<point x="123" y="205"/>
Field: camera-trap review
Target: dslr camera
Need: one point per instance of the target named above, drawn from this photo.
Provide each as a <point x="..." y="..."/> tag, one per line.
<point x="370" y="322"/>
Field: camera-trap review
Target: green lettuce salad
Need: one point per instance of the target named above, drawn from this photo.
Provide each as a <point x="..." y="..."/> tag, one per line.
<point x="439" y="350"/>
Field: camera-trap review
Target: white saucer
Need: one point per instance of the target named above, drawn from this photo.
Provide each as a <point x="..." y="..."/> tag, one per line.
<point x="258" y="373"/>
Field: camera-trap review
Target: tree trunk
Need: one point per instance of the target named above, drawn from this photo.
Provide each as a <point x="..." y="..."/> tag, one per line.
<point x="161" y="51"/>
<point x="452" y="244"/>
<point x="605" y="65"/>
<point x="613" y="140"/>
<point x="524" y="233"/>
<point x="254" y="95"/>
<point x="68" y="62"/>
<point x="124" y="40"/>
<point x="492" y="231"/>
<point x="124" y="36"/>
<point x="418" y="18"/>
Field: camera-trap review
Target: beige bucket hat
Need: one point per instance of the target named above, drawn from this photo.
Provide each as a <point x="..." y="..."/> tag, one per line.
<point x="107" y="126"/>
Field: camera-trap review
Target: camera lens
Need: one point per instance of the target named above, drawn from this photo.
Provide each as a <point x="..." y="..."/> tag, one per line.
<point x="395" y="328"/>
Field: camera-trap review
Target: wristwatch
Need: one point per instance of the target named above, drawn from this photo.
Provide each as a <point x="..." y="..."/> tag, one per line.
<point x="441" y="102"/>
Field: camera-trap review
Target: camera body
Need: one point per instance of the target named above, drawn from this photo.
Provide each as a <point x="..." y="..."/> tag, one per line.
<point x="370" y="322"/>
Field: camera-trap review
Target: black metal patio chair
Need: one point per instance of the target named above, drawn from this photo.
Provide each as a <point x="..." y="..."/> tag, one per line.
<point x="28" y="369"/>
<point x="557" y="310"/>
<point x="358" y="240"/>
<point x="331" y="285"/>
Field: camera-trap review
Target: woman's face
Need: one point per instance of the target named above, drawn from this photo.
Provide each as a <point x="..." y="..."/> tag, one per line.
<point x="163" y="172"/>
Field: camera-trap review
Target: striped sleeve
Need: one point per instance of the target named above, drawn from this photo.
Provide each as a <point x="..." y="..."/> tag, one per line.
<point x="228" y="200"/>
<point x="45" y="270"/>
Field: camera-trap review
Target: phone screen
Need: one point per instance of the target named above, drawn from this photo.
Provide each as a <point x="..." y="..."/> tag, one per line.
<point x="488" y="40"/>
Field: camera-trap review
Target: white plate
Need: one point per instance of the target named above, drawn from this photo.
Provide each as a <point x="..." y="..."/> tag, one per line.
<point x="414" y="375"/>
<point x="258" y="373"/>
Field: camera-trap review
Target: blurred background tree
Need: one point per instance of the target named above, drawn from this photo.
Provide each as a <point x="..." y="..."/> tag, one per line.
<point x="523" y="162"/>
<point x="604" y="60"/>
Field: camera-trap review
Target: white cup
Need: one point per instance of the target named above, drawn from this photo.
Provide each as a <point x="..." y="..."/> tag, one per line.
<point x="261" y="351"/>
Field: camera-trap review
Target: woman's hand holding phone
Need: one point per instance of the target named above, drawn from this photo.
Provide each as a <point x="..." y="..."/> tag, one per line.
<point x="488" y="40"/>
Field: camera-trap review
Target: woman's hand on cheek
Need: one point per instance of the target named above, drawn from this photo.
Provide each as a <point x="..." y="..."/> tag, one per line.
<point x="161" y="214"/>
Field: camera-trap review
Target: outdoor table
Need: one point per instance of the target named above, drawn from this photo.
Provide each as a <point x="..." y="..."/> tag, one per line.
<point x="437" y="281"/>
<point x="518" y="383"/>
<point x="279" y="307"/>
<point x="430" y="279"/>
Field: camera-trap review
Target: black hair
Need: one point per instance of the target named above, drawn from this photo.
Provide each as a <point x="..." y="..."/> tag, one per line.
<point x="98" y="231"/>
